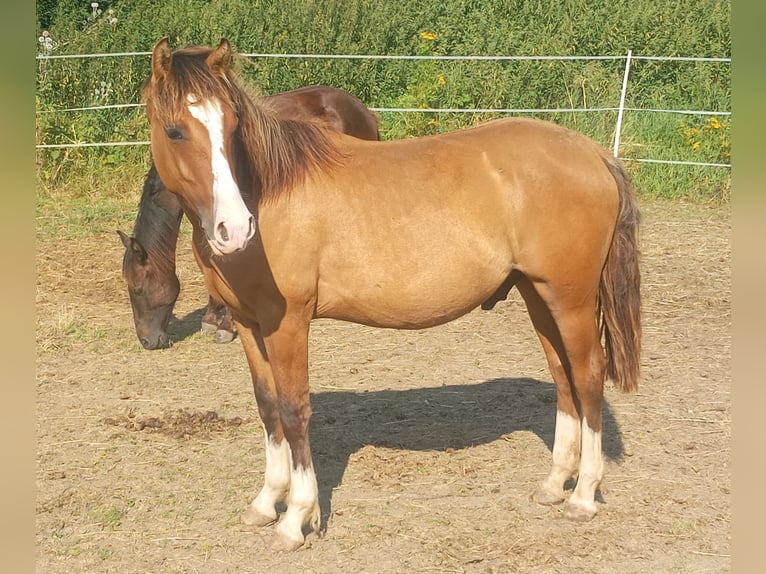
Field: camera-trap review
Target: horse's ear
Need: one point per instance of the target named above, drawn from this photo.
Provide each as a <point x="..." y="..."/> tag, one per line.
<point x="219" y="59"/>
<point x="161" y="58"/>
<point x="134" y="246"/>
<point x="124" y="238"/>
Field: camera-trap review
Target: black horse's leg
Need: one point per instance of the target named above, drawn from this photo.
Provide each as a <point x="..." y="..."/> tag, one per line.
<point x="225" y="331"/>
<point x="210" y="318"/>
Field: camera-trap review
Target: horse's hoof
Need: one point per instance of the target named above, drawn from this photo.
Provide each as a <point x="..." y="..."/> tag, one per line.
<point x="282" y="543"/>
<point x="208" y="328"/>
<point x="580" y="512"/>
<point x="547" y="498"/>
<point x="252" y="517"/>
<point x="223" y="336"/>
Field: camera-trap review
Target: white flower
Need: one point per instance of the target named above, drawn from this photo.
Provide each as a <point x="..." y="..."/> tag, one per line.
<point x="46" y="41"/>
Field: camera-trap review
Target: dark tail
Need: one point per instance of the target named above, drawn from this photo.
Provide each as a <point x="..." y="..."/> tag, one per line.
<point x="620" y="289"/>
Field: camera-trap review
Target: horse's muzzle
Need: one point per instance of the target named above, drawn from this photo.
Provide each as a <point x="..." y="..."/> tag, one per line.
<point x="163" y="341"/>
<point x="228" y="238"/>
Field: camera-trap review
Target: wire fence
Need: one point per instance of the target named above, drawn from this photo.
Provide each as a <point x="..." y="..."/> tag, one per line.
<point x="620" y="108"/>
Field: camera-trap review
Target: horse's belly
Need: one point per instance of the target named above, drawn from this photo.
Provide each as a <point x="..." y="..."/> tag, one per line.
<point x="423" y="298"/>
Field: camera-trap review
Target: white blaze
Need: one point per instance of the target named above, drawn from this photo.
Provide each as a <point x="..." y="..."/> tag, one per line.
<point x="232" y="221"/>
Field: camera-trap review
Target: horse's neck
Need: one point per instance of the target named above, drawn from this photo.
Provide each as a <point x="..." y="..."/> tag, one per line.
<point x="158" y="223"/>
<point x="280" y="152"/>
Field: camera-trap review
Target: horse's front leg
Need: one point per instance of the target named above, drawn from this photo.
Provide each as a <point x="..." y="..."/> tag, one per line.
<point x="209" y="323"/>
<point x="262" y="510"/>
<point x="226" y="330"/>
<point x="287" y="349"/>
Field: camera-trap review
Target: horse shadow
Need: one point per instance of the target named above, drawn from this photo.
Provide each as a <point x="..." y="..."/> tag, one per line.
<point x="432" y="419"/>
<point x="422" y="419"/>
<point x="181" y="328"/>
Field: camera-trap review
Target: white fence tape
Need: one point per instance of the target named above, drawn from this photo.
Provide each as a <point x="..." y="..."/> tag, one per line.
<point x="620" y="109"/>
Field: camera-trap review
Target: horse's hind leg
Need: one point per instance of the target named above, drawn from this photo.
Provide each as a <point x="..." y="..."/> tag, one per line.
<point x="566" y="442"/>
<point x="262" y="510"/>
<point x="587" y="364"/>
<point x="569" y="334"/>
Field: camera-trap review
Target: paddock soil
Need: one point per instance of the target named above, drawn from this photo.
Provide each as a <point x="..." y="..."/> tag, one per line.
<point x="427" y="444"/>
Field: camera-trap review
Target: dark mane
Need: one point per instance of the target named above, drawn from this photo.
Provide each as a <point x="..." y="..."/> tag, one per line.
<point x="158" y="222"/>
<point x="279" y="153"/>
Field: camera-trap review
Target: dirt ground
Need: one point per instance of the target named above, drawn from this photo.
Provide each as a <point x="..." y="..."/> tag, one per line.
<point x="427" y="444"/>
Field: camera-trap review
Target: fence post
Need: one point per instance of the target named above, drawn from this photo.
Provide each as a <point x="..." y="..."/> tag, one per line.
<point x="622" y="104"/>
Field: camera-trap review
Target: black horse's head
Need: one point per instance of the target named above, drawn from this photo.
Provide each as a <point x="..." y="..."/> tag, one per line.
<point x="153" y="291"/>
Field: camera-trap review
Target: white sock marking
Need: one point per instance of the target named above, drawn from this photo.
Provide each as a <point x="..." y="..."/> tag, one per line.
<point x="276" y="482"/>
<point x="591" y="469"/>
<point x="566" y="456"/>
<point x="566" y="442"/>
<point x="302" y="504"/>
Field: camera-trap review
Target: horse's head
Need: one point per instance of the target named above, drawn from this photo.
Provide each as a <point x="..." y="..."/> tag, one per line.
<point x="192" y="108"/>
<point x="152" y="296"/>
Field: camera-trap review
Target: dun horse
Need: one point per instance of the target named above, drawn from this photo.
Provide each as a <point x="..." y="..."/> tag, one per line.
<point x="293" y="222"/>
<point x="149" y="261"/>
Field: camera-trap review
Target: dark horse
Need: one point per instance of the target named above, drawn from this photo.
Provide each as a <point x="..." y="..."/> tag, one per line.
<point x="292" y="222"/>
<point x="149" y="262"/>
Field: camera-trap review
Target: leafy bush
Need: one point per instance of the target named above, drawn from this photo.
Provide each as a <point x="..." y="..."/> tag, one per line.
<point x="400" y="27"/>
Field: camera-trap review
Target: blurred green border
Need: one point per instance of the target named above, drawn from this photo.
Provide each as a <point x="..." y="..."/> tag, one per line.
<point x="18" y="275"/>
<point x="749" y="280"/>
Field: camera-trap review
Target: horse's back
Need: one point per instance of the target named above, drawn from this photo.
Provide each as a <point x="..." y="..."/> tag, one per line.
<point x="336" y="108"/>
<point x="513" y="165"/>
<point x="418" y="232"/>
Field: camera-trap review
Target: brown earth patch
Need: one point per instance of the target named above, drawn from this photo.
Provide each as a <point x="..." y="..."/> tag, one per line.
<point x="427" y="444"/>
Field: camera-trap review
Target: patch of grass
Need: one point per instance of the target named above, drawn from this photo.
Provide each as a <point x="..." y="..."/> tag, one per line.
<point x="73" y="217"/>
<point x="89" y="203"/>
<point x="676" y="137"/>
<point x="684" y="528"/>
<point x="110" y="517"/>
<point x="699" y="184"/>
<point x="64" y="330"/>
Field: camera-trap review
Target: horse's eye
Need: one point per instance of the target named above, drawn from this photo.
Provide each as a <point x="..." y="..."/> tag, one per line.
<point x="174" y="133"/>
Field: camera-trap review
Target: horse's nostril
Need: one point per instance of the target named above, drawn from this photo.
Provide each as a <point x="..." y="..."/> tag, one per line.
<point x="223" y="232"/>
<point x="145" y="343"/>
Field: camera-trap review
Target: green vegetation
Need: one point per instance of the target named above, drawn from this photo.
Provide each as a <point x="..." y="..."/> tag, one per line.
<point x="446" y="27"/>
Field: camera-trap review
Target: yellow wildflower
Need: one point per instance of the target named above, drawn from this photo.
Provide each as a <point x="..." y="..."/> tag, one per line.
<point x="715" y="124"/>
<point x="440" y="79"/>
<point x="428" y="36"/>
<point x="696" y="145"/>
